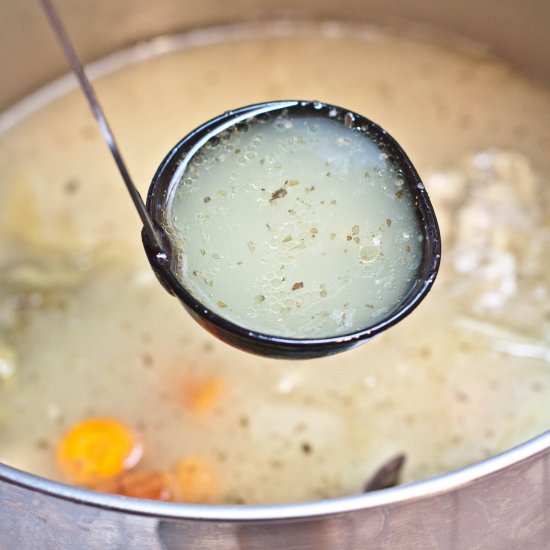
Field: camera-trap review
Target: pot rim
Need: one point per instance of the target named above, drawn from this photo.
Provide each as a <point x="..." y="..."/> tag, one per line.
<point x="277" y="512"/>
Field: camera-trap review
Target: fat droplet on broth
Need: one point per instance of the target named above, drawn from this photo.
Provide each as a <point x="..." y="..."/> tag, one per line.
<point x="295" y="222"/>
<point x="368" y="253"/>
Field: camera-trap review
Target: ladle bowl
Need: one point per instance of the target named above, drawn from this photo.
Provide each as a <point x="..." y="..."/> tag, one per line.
<point x="164" y="264"/>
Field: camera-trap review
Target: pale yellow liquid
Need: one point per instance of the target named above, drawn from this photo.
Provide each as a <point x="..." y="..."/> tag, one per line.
<point x="297" y="227"/>
<point x="88" y="330"/>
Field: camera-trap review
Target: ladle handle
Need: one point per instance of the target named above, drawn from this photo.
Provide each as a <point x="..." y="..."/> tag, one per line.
<point x="97" y="111"/>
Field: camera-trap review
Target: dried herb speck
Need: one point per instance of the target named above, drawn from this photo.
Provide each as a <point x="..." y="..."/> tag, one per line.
<point x="206" y="199"/>
<point x="296" y="286"/>
<point x="279" y="194"/>
<point x="306" y="448"/>
<point x="71" y="186"/>
<point x="222" y="304"/>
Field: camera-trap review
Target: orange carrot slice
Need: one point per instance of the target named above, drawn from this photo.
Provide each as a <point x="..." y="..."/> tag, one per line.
<point x="150" y="484"/>
<point x="201" y="395"/>
<point x="197" y="480"/>
<point x="98" y="449"/>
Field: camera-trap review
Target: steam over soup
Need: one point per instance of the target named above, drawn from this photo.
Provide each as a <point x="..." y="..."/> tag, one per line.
<point x="105" y="382"/>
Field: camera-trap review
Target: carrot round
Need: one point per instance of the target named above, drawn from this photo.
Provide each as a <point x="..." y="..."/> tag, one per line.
<point x="197" y="480"/>
<point x="149" y="484"/>
<point x="98" y="449"/>
<point x="201" y="395"/>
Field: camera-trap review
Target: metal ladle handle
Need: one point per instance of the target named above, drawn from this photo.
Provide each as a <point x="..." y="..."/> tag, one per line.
<point x="101" y="120"/>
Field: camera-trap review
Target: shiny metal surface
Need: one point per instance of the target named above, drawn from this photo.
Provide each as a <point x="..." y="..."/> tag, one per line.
<point x="502" y="503"/>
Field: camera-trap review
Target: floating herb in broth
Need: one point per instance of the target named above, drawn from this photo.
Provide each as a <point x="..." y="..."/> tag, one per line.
<point x="465" y="377"/>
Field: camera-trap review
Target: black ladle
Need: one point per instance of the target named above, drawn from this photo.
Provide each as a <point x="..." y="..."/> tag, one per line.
<point x="157" y="244"/>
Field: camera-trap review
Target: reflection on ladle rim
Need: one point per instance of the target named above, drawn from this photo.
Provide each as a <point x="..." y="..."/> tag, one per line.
<point x="157" y="244"/>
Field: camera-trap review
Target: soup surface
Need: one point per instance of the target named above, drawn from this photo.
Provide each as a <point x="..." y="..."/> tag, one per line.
<point x="86" y="331"/>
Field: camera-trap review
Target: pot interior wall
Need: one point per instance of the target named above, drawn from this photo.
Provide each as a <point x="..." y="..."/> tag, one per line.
<point x="29" y="56"/>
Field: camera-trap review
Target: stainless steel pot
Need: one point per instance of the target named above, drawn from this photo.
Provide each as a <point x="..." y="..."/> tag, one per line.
<point x="501" y="503"/>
